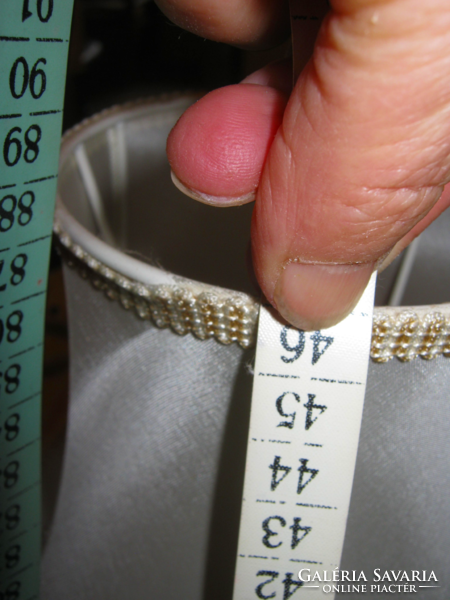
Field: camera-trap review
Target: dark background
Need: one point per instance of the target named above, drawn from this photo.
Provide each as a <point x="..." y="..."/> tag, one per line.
<point x="124" y="49"/>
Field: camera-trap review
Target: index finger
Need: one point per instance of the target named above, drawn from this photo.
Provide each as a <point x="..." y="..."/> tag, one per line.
<point x="256" y="24"/>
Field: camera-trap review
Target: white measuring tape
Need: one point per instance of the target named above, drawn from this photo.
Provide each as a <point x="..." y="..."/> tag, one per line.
<point x="307" y="404"/>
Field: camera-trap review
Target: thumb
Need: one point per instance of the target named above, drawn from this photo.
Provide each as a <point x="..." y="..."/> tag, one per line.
<point x="360" y="159"/>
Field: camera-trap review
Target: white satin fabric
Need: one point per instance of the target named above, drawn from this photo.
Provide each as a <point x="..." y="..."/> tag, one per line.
<point x="150" y="497"/>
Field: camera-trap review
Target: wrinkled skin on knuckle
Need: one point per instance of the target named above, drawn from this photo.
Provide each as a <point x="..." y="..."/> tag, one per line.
<point x="338" y="222"/>
<point x="373" y="150"/>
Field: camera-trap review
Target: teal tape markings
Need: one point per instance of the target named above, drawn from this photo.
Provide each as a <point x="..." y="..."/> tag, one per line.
<point x="34" y="41"/>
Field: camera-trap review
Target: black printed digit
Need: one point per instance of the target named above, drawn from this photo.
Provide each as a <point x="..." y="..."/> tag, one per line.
<point x="12" y="147"/>
<point x="12" y="378"/>
<point x="32" y="143"/>
<point x="14" y="326"/>
<point x="270" y="533"/>
<point x="259" y="590"/>
<point x="12" y="427"/>
<point x="12" y="517"/>
<point x="318" y="339"/>
<point x="44" y="14"/>
<point x="297" y="348"/>
<point x="290" y="586"/>
<point x="291" y="416"/>
<point x="44" y="11"/>
<point x="299" y="532"/>
<point x="17" y="87"/>
<point x="18" y="268"/>
<point x="11" y="474"/>
<point x="7" y="207"/>
<point x="12" y="556"/>
<point x="306" y="475"/>
<point x="310" y="408"/>
<point x="26" y="201"/>
<point x="276" y="467"/>
<point x="12" y="591"/>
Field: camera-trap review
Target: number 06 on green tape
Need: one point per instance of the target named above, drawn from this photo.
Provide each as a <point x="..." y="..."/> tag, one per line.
<point x="34" y="41"/>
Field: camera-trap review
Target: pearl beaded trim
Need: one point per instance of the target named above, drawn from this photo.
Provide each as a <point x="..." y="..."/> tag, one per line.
<point x="404" y="332"/>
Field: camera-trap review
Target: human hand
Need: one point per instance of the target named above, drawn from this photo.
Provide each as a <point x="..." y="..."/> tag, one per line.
<point x="348" y="168"/>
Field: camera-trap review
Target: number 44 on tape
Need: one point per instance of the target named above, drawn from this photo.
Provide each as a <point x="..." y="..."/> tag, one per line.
<point x="307" y="404"/>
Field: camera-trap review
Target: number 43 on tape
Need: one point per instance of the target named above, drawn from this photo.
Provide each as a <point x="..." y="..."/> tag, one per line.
<point x="307" y="404"/>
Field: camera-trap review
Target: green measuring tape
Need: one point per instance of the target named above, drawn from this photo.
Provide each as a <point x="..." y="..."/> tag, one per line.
<point x="34" y="41"/>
